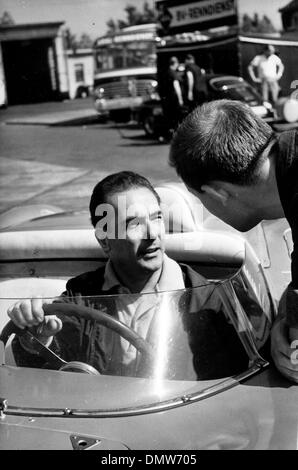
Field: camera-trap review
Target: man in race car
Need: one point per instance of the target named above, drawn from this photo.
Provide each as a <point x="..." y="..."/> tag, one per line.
<point x="129" y="226"/>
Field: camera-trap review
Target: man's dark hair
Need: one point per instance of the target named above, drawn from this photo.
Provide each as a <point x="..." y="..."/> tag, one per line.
<point x="269" y="48"/>
<point x="173" y="60"/>
<point x="221" y="140"/>
<point x="114" y="183"/>
<point x="190" y="57"/>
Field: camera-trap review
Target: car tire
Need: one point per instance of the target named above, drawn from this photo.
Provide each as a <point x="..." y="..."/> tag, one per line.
<point x="102" y="119"/>
<point x="120" y="116"/>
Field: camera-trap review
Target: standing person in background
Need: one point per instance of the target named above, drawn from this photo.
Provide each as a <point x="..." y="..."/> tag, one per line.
<point x="194" y="86"/>
<point x="173" y="98"/>
<point x="269" y="69"/>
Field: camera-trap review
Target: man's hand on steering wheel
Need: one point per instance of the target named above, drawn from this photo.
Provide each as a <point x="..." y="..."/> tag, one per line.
<point x="29" y="313"/>
<point x="36" y="313"/>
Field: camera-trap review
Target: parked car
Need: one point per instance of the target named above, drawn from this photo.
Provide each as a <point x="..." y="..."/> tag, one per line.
<point x="120" y="93"/>
<point x="168" y="403"/>
<point x="216" y="87"/>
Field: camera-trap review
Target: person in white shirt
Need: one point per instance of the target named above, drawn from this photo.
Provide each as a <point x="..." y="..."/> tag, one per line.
<point x="267" y="69"/>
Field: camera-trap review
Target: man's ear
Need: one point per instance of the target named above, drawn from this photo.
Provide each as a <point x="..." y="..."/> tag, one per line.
<point x="104" y="243"/>
<point x="216" y="192"/>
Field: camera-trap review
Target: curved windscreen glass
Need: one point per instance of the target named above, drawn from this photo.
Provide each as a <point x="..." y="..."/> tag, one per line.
<point x="159" y="345"/>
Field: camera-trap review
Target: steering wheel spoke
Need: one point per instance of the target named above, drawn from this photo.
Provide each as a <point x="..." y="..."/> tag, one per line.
<point x="72" y="309"/>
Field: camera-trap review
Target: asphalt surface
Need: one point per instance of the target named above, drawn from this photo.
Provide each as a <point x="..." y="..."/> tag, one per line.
<point x="55" y="153"/>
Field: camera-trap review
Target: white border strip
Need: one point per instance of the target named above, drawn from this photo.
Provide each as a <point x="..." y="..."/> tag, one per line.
<point x="274" y="42"/>
<point x="201" y="45"/>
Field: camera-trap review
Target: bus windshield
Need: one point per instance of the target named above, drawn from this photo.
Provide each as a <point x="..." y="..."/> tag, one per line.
<point x="133" y="46"/>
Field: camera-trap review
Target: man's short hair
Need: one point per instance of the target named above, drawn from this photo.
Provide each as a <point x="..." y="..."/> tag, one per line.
<point x="173" y="60"/>
<point x="221" y="140"/>
<point x="116" y="183"/>
<point x="269" y="48"/>
<point x="190" y="57"/>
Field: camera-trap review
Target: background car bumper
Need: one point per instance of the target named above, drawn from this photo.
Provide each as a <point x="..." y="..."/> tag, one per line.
<point x="103" y="106"/>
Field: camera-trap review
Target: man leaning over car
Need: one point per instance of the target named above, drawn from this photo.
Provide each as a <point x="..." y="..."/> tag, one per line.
<point x="243" y="173"/>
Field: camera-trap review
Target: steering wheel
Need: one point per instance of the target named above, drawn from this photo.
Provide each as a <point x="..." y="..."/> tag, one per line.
<point x="70" y="309"/>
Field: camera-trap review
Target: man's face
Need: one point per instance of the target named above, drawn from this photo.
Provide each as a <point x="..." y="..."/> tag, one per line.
<point x="269" y="51"/>
<point x="138" y="244"/>
<point x="236" y="212"/>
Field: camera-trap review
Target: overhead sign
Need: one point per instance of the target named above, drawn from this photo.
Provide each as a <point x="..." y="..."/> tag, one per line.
<point x="124" y="38"/>
<point x="178" y="16"/>
<point x="146" y="36"/>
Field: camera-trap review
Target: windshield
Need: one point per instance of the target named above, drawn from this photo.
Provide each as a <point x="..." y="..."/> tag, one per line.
<point x="237" y="90"/>
<point x="244" y="93"/>
<point x="125" y="51"/>
<point x="176" y="342"/>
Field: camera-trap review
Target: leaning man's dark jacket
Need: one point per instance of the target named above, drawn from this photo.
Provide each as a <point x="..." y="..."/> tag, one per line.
<point x="208" y="331"/>
<point x="287" y="181"/>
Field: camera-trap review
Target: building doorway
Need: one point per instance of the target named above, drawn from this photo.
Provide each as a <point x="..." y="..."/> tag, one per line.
<point x="27" y="71"/>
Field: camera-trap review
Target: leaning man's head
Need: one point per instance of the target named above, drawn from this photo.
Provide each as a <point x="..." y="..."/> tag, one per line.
<point x="221" y="142"/>
<point x="125" y="212"/>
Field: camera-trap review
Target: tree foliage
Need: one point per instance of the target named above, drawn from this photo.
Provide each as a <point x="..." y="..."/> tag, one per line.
<point x="255" y="24"/>
<point x="6" y="19"/>
<point x="85" y="41"/>
<point x="134" y="16"/>
<point x="74" y="43"/>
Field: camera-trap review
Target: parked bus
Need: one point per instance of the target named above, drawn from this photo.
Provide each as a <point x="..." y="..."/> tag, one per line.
<point x="125" y="71"/>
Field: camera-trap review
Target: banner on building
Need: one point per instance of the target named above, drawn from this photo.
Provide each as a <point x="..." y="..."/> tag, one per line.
<point x="178" y="16"/>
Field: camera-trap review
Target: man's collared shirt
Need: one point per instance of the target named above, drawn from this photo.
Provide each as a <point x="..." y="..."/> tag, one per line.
<point x="137" y="312"/>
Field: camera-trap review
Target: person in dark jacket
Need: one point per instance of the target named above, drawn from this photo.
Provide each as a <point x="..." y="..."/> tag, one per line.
<point x="195" y="88"/>
<point x="243" y="173"/>
<point x="137" y="264"/>
<point x="172" y="96"/>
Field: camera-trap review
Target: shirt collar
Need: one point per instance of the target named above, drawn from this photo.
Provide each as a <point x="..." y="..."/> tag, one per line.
<point x="171" y="278"/>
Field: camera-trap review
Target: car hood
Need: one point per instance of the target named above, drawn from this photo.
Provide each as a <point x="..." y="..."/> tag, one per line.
<point x="260" y="414"/>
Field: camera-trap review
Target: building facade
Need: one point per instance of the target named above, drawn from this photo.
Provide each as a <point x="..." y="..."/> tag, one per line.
<point x="33" y="63"/>
<point x="289" y="17"/>
<point x="80" y="69"/>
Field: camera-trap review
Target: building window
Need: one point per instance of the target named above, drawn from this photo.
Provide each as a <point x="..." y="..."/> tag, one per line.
<point x="79" y="73"/>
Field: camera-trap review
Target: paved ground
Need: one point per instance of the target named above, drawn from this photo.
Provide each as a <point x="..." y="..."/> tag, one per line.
<point x="60" y="165"/>
<point x="30" y="110"/>
<point x="55" y="118"/>
<point x="54" y="153"/>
